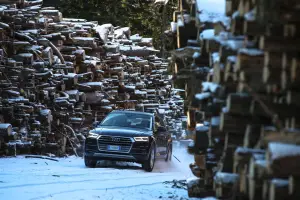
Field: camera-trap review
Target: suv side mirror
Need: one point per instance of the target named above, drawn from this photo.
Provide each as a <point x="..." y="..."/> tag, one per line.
<point x="161" y="129"/>
<point x="95" y="124"/>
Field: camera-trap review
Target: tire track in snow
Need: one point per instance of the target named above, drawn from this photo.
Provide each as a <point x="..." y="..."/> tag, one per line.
<point x="80" y="181"/>
<point x="103" y="188"/>
<point x="64" y="175"/>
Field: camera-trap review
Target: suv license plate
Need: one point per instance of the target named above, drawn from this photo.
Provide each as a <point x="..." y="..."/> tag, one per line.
<point x="113" y="148"/>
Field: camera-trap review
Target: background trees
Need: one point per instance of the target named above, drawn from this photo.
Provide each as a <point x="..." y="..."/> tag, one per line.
<point x="140" y="15"/>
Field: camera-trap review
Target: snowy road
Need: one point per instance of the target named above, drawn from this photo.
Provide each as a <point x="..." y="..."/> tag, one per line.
<point x="37" y="179"/>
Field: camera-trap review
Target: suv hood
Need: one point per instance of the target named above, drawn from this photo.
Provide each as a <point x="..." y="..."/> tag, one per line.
<point x="121" y="131"/>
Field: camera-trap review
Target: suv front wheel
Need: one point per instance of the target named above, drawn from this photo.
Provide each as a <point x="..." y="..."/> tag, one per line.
<point x="148" y="165"/>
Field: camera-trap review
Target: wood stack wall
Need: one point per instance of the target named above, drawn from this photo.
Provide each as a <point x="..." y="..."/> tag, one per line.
<point x="246" y="136"/>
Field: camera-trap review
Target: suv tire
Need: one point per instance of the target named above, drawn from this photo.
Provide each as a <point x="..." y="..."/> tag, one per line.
<point x="169" y="153"/>
<point x="148" y="165"/>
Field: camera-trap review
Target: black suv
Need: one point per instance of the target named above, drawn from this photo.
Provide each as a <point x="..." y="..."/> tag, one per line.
<point x="128" y="136"/>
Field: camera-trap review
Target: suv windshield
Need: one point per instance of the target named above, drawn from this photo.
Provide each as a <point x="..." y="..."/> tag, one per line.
<point x="131" y="120"/>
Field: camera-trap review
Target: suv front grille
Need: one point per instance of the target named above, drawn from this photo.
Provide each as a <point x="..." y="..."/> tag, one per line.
<point x="125" y="143"/>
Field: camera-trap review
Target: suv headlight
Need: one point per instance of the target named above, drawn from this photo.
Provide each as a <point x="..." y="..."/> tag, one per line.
<point x="93" y="135"/>
<point x="141" y="139"/>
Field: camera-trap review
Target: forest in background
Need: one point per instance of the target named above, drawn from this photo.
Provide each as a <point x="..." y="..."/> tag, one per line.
<point x="140" y="15"/>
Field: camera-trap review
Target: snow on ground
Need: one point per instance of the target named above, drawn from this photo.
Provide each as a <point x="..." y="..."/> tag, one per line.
<point x="38" y="179"/>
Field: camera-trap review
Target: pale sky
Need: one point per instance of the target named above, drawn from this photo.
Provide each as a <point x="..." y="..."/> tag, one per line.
<point x="216" y="6"/>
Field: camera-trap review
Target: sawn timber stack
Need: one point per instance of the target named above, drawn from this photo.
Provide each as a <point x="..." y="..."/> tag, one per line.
<point x="244" y="108"/>
<point x="59" y="75"/>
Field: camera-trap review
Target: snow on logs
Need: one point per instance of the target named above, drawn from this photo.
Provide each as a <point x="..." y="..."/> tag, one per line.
<point x="254" y="113"/>
<point x="58" y="75"/>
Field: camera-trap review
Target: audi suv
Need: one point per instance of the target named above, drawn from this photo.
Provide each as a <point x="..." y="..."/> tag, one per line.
<point x="128" y="136"/>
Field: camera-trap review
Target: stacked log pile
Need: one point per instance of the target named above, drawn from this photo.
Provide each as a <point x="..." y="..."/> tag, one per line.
<point x="245" y="113"/>
<point x="59" y="75"/>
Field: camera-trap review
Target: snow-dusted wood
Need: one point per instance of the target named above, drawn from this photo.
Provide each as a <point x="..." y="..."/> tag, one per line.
<point x="225" y="184"/>
<point x="278" y="189"/>
<point x="283" y="160"/>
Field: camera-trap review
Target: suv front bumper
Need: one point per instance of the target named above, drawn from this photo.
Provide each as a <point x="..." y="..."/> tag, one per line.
<point x="139" y="152"/>
<point x="139" y="158"/>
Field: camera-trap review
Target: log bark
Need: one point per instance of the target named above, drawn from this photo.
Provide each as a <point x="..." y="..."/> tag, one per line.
<point x="288" y="137"/>
<point x="278" y="189"/>
<point x="283" y="159"/>
<point x="294" y="185"/>
<point x="252" y="135"/>
<point x="279" y="44"/>
<point x="249" y="58"/>
<point x="225" y="184"/>
<point x="256" y="176"/>
<point x="233" y="123"/>
<point x="238" y="104"/>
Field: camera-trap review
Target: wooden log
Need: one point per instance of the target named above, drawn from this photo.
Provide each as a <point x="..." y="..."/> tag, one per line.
<point x="200" y="160"/>
<point x="243" y="7"/>
<point x="274" y="59"/>
<point x="231" y="6"/>
<point x="294" y="71"/>
<point x="233" y="123"/>
<point x="242" y="158"/>
<point x="230" y="63"/>
<point x="196" y="170"/>
<point x="252" y="77"/>
<point x="238" y="104"/>
<point x="234" y="140"/>
<point x="291" y="4"/>
<point x="214" y="127"/>
<point x="229" y="48"/>
<point x="191" y="119"/>
<point x="278" y="189"/>
<point x="252" y="135"/>
<point x="237" y="24"/>
<point x="212" y="45"/>
<point x="201" y="138"/>
<point x="277" y="30"/>
<point x="272" y="75"/>
<point x="196" y="188"/>
<point x="283" y="160"/>
<point x="253" y="28"/>
<point x="256" y="176"/>
<point x="229" y="74"/>
<point x="282" y="110"/>
<point x="294" y="185"/>
<point x="217" y="75"/>
<point x="266" y="189"/>
<point x="211" y="110"/>
<point x="11" y="149"/>
<point x="249" y="58"/>
<point x="279" y="44"/>
<point x="288" y="136"/>
<point x="186" y="32"/>
<point x="226" y="184"/>
<point x="242" y="87"/>
<point x="277" y="12"/>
